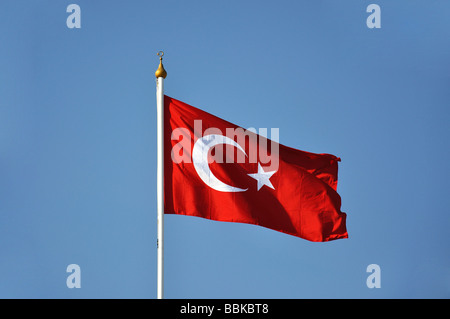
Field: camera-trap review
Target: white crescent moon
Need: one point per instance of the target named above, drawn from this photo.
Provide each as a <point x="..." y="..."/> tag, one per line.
<point x="201" y="165"/>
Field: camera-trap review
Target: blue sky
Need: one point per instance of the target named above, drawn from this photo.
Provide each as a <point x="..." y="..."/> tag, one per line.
<point x="78" y="144"/>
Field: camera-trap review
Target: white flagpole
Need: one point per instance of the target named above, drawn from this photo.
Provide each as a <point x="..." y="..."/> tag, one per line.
<point x="160" y="76"/>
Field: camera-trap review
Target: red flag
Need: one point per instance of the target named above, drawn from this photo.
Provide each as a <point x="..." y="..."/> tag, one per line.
<point x="217" y="170"/>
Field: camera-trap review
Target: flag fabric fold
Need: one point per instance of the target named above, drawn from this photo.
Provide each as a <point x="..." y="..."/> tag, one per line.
<point x="217" y="170"/>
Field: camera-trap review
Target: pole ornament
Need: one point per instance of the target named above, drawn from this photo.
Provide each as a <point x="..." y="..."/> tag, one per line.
<point x="160" y="73"/>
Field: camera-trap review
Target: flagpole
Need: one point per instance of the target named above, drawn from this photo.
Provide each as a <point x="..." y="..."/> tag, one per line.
<point x="160" y="76"/>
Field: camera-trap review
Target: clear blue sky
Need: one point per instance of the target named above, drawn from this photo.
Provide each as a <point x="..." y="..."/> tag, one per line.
<point x="78" y="144"/>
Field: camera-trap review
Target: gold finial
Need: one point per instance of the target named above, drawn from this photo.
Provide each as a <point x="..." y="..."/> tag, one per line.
<point x="160" y="72"/>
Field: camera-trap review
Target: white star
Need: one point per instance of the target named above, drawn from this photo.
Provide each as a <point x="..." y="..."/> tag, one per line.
<point x="262" y="177"/>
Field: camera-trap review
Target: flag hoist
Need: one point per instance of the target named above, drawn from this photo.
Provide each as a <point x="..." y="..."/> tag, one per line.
<point x="160" y="76"/>
<point x="296" y="193"/>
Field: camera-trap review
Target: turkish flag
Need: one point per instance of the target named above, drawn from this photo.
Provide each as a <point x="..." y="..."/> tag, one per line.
<point x="217" y="170"/>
